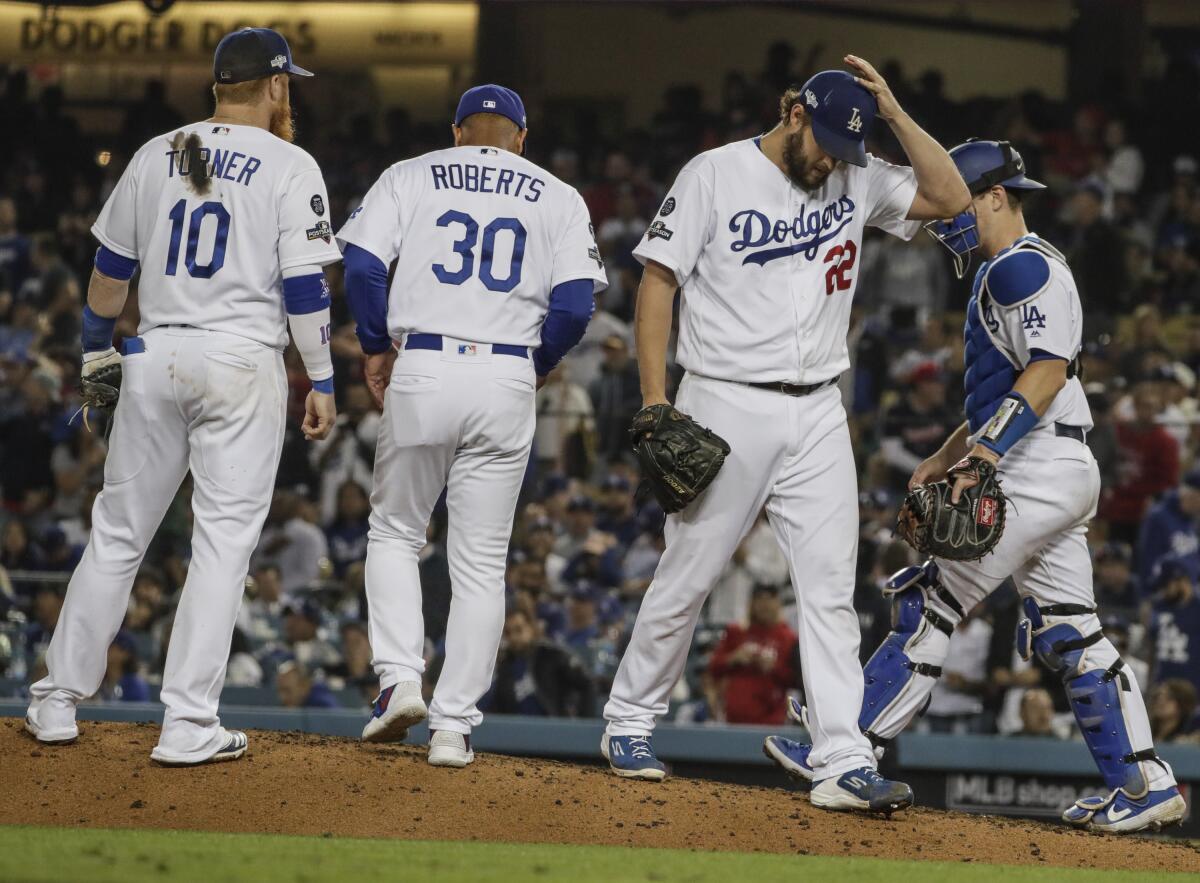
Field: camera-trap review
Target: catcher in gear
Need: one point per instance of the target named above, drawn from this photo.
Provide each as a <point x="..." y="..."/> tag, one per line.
<point x="678" y="456"/>
<point x="1027" y="421"/>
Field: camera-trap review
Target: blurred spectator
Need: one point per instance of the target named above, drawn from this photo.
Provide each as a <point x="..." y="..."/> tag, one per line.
<point x="243" y="669"/>
<point x="956" y="703"/>
<point x="303" y="635"/>
<point x="757" y="560"/>
<point x="436" y="591"/>
<point x="14" y="248"/>
<point x="1094" y="249"/>
<point x="535" y="677"/>
<point x="347" y="454"/>
<point x="1171" y="705"/>
<point x="297" y="689"/>
<point x="1170" y="527"/>
<point x="755" y="665"/>
<point x="1149" y="465"/>
<point x="261" y="614"/>
<point x="915" y="427"/>
<point x="616" y="396"/>
<point x="1116" y="629"/>
<point x="296" y="546"/>
<point x="1175" y="622"/>
<point x="28" y="444"/>
<point x="347" y="533"/>
<point x="122" y="680"/>
<point x="47" y="605"/>
<point x="1113" y="581"/>
<point x="565" y="437"/>
<point x="1037" y="714"/>
<point x="356" y="659"/>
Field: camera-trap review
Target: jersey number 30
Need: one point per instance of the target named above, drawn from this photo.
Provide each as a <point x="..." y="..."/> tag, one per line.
<point x="196" y="269"/>
<point x="465" y="248"/>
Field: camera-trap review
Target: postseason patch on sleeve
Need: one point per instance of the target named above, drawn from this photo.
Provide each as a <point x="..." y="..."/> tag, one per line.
<point x="659" y="230"/>
<point x="322" y="230"/>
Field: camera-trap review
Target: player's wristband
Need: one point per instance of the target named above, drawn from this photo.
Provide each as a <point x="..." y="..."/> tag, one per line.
<point x="97" y="331"/>
<point x="325" y="386"/>
<point x="113" y="265"/>
<point x="1011" y="422"/>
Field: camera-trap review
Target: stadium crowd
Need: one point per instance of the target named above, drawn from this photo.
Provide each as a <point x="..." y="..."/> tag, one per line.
<point x="1123" y="204"/>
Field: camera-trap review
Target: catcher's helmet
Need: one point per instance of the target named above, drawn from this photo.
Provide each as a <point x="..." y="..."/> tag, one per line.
<point x="983" y="165"/>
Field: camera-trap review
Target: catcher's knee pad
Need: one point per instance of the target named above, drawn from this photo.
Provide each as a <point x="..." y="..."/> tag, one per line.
<point x="901" y="673"/>
<point x="1103" y="696"/>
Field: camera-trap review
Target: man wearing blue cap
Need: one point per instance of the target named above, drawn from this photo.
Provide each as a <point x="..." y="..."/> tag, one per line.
<point x="763" y="238"/>
<point x="496" y="271"/>
<point x="226" y="219"/>
<point x="1028" y="417"/>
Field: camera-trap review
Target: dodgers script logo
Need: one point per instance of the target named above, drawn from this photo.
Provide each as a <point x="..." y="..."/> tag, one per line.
<point x="813" y="229"/>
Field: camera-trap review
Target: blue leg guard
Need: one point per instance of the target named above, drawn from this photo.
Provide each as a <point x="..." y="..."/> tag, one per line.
<point x="1105" y="698"/>
<point x="900" y="675"/>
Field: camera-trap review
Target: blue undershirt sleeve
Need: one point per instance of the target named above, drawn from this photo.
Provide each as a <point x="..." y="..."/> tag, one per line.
<point x="367" y="294"/>
<point x="571" y="307"/>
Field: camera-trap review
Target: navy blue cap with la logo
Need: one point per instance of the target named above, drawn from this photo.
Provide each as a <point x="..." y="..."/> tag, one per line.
<point x="251" y="54"/>
<point x="842" y="113"/>
<point x="491" y="99"/>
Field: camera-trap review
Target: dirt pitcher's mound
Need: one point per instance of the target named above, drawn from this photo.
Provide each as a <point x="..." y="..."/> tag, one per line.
<point x="299" y="784"/>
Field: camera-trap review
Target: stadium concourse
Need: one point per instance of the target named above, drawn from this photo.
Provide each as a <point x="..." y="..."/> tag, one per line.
<point x="1123" y="205"/>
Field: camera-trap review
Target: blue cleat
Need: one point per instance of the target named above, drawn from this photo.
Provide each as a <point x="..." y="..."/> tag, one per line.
<point x="1118" y="813"/>
<point x="862" y="789"/>
<point x="632" y="757"/>
<point x="790" y="756"/>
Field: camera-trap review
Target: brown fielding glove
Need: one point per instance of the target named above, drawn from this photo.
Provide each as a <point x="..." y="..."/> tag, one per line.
<point x="963" y="531"/>
<point x="678" y="456"/>
<point x="100" y="384"/>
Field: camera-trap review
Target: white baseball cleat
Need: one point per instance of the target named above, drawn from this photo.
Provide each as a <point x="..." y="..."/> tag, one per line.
<point x="395" y="709"/>
<point x="52" y="722"/>
<point x="450" y="749"/>
<point x="233" y="746"/>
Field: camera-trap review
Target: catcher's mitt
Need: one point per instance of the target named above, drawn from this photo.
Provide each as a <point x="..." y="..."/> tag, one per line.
<point x="678" y="456"/>
<point x="962" y="531"/>
<point x="100" y="383"/>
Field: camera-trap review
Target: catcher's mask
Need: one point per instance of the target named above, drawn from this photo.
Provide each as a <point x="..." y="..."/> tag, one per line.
<point x="983" y="165"/>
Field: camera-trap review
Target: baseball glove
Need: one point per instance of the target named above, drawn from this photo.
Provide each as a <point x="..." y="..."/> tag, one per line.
<point x="678" y="456"/>
<point x="100" y="383"/>
<point x="962" y="531"/>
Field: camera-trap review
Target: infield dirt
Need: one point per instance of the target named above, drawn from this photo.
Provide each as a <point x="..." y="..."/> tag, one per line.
<point x="292" y="783"/>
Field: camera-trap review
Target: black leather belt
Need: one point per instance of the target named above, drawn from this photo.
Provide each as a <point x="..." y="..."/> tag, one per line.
<point x="1063" y="430"/>
<point x="795" y="389"/>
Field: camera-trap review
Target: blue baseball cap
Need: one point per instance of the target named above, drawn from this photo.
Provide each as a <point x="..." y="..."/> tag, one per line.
<point x="251" y="54"/>
<point x="984" y="164"/>
<point x="491" y="99"/>
<point x="841" y="112"/>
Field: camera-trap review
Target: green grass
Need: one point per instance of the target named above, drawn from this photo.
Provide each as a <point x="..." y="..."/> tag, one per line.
<point x="96" y="856"/>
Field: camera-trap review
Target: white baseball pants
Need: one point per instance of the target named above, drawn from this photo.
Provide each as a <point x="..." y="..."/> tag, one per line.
<point x="793" y="455"/>
<point x="206" y="401"/>
<point x="460" y="421"/>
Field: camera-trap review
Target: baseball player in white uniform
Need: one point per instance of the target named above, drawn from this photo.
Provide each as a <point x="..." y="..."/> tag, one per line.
<point x="1026" y="413"/>
<point x="226" y="220"/>
<point x="763" y="237"/>
<point x="496" y="272"/>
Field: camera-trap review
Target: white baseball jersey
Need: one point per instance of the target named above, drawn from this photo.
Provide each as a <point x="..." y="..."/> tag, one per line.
<point x="1046" y="322"/>
<point x="212" y="253"/>
<point x="480" y="236"/>
<point x="768" y="269"/>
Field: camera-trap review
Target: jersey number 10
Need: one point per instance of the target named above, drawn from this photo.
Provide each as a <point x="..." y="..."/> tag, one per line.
<point x="466" y="248"/>
<point x="196" y="269"/>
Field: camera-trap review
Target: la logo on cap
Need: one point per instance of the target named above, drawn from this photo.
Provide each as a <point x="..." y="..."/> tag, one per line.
<point x="855" y="124"/>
